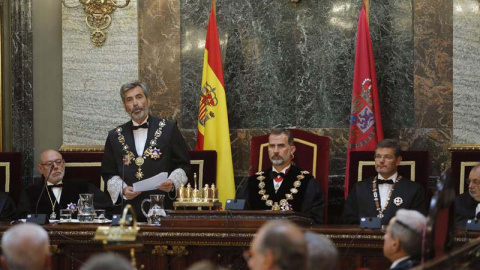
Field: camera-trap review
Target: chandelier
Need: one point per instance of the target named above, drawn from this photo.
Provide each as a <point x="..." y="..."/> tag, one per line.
<point x="98" y="16"/>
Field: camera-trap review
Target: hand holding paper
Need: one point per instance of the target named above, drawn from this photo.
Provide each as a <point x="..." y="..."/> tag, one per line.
<point x="151" y="183"/>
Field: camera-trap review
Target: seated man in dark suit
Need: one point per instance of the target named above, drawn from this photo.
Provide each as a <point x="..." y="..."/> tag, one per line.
<point x="58" y="192"/>
<point x="284" y="186"/>
<point x="402" y="243"/>
<point x="467" y="205"/>
<point x="381" y="196"/>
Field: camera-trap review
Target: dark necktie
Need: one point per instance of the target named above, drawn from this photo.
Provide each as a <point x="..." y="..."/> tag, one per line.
<point x="144" y="125"/>
<point x="477" y="216"/>
<point x="389" y="181"/>
<point x="57" y="185"/>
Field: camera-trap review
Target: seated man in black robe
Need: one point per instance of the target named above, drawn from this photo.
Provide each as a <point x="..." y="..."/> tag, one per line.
<point x="284" y="186"/>
<point x="58" y="192"/>
<point x="467" y="205"/>
<point x="8" y="211"/>
<point x="381" y="196"/>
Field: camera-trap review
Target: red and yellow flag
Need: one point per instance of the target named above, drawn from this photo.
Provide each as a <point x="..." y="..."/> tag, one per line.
<point x="213" y="131"/>
<point x="365" y="121"/>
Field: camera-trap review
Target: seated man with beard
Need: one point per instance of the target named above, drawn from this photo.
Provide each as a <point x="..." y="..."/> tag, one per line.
<point x="284" y="186"/>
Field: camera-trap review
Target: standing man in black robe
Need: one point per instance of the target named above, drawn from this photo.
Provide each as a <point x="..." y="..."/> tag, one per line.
<point x="381" y="196"/>
<point x="284" y="186"/>
<point x="140" y="149"/>
<point x="467" y="205"/>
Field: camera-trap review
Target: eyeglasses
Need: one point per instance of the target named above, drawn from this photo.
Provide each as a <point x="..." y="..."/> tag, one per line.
<point x="386" y="157"/>
<point x="473" y="182"/>
<point x="58" y="162"/>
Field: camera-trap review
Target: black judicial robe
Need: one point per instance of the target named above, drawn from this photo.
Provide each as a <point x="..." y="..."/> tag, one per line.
<point x="360" y="202"/>
<point x="309" y="199"/>
<point x="70" y="191"/>
<point x="465" y="207"/>
<point x="8" y="211"/>
<point x="174" y="155"/>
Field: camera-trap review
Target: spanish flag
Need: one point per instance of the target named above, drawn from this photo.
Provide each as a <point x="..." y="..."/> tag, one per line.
<point x="213" y="132"/>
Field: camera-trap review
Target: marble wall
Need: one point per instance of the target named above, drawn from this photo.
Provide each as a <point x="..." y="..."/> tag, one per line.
<point x="92" y="75"/>
<point x="22" y="83"/>
<point x="466" y="71"/>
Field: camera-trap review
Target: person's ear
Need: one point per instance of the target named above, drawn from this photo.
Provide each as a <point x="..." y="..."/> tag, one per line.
<point x="396" y="244"/>
<point x="269" y="260"/>
<point x="293" y="148"/>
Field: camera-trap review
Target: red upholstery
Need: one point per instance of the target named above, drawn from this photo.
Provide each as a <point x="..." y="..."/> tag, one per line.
<point x="462" y="162"/>
<point x="414" y="165"/>
<point x="11" y="174"/>
<point x="312" y="154"/>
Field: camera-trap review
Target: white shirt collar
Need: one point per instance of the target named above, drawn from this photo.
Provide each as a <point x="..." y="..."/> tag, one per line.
<point x="284" y="169"/>
<point x="393" y="177"/>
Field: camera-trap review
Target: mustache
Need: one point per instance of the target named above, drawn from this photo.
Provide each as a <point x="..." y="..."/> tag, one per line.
<point x="136" y="107"/>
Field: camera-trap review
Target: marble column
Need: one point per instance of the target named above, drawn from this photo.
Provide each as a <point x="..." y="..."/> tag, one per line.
<point x="22" y="83"/>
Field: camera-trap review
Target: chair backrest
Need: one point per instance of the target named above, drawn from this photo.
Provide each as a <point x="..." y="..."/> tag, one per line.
<point x="204" y="164"/>
<point x="414" y="166"/>
<point x="464" y="158"/>
<point x="88" y="165"/>
<point x="84" y="165"/>
<point x="312" y="154"/>
<point x="11" y="174"/>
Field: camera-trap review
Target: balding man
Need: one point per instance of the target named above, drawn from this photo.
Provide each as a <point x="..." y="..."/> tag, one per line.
<point x="402" y="243"/>
<point x="279" y="244"/>
<point x="25" y="246"/>
<point x="467" y="205"/>
<point x="322" y="254"/>
<point x="59" y="192"/>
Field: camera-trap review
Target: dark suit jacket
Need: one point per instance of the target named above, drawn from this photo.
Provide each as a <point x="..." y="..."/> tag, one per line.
<point x="405" y="264"/>
<point x="174" y="155"/>
<point x="308" y="200"/>
<point x="70" y="190"/>
<point x="465" y="207"/>
<point x="360" y="202"/>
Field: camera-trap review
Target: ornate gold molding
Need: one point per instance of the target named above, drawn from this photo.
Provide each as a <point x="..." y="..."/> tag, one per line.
<point x="54" y="249"/>
<point x="176" y="251"/>
<point x="464" y="147"/>
<point x="81" y="148"/>
<point x="98" y="16"/>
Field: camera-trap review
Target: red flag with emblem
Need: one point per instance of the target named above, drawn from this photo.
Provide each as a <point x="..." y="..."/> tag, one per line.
<point x="365" y="121"/>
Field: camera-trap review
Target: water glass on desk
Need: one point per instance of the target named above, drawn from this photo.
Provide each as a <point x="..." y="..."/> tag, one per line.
<point x="65" y="214"/>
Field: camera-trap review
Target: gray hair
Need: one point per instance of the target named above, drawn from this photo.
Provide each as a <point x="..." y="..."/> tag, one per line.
<point x="25" y="247"/>
<point x="322" y="254"/>
<point x="107" y="261"/>
<point x="408" y="226"/>
<point x="130" y="85"/>
<point x="286" y="242"/>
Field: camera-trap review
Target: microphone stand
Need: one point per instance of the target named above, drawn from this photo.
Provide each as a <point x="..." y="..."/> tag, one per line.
<point x="42" y="218"/>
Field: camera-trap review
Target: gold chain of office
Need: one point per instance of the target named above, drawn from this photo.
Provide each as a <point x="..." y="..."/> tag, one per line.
<point x="152" y="151"/>
<point x="283" y="204"/>
<point x="375" y="196"/>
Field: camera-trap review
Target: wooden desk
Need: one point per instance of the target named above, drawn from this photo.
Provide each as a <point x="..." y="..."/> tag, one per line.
<point x="189" y="236"/>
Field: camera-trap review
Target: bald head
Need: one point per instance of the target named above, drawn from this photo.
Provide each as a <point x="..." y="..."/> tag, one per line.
<point x="474" y="183"/>
<point x="25" y="246"/>
<point x="52" y="161"/>
<point x="279" y="244"/>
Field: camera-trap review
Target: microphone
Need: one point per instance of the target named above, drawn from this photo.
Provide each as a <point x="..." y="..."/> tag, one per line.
<point x="42" y="218"/>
